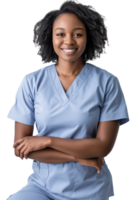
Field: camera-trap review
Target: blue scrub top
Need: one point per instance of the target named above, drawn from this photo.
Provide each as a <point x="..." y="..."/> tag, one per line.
<point x="94" y="96"/>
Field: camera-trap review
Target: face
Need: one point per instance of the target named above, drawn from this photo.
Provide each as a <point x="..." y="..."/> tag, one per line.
<point x="69" y="33"/>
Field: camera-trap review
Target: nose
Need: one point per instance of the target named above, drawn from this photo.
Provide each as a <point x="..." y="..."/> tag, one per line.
<point x="69" y="39"/>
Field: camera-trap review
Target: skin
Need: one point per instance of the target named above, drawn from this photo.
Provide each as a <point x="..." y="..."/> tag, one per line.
<point x="65" y="37"/>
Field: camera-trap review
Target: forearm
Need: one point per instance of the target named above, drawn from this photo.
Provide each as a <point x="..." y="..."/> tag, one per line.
<point x="79" y="148"/>
<point x="49" y="155"/>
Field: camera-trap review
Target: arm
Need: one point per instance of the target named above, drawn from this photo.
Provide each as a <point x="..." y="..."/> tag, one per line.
<point x="80" y="148"/>
<point x="47" y="155"/>
<point x="50" y="155"/>
<point x="91" y="147"/>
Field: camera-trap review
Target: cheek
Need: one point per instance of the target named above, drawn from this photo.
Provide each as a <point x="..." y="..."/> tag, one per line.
<point x="83" y="46"/>
<point x="56" y="41"/>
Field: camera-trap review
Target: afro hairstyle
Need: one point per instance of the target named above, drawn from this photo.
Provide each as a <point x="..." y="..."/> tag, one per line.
<point x="93" y="21"/>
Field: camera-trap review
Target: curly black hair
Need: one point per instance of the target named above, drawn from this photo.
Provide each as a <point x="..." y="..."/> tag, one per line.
<point x="93" y="21"/>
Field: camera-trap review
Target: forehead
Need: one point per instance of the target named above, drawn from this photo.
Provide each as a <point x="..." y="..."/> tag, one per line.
<point x="67" y="20"/>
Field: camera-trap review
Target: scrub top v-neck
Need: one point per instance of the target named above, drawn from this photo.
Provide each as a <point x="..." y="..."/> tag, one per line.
<point x="64" y="97"/>
<point x="94" y="96"/>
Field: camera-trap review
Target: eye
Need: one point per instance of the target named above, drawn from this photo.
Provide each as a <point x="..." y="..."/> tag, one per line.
<point x="75" y="34"/>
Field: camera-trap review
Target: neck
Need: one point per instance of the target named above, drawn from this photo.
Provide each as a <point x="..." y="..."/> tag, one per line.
<point x="69" y="68"/>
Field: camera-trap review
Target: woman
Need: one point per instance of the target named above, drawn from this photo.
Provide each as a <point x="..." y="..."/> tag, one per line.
<point x="76" y="105"/>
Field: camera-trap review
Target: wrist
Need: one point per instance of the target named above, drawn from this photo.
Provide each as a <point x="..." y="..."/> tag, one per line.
<point x="49" y="141"/>
<point x="76" y="159"/>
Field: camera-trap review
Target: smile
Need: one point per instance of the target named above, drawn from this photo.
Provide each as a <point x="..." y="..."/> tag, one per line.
<point x="69" y="51"/>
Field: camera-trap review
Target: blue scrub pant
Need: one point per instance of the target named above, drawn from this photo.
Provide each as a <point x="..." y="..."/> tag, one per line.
<point x="30" y="192"/>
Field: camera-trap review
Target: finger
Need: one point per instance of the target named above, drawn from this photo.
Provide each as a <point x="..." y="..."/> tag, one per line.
<point x="22" y="152"/>
<point x="101" y="161"/>
<point x="15" y="144"/>
<point x="26" y="153"/>
<point x="99" y="169"/>
<point x="19" y="149"/>
<point x="18" y="142"/>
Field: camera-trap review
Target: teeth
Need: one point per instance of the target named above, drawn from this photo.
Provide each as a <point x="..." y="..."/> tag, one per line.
<point x="69" y="50"/>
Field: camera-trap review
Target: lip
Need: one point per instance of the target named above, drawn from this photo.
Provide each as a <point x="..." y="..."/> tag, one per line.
<point x="68" y="48"/>
<point x="69" y="53"/>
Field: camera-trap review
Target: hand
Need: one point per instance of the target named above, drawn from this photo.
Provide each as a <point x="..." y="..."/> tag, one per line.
<point x="30" y="143"/>
<point x="96" y="162"/>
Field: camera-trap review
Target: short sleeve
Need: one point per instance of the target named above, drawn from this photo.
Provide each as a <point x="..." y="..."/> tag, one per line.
<point x="23" y="109"/>
<point x="114" y="106"/>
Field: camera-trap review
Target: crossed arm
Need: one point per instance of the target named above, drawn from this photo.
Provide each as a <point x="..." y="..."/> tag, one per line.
<point x="89" y="147"/>
<point x="53" y="155"/>
<point x="66" y="150"/>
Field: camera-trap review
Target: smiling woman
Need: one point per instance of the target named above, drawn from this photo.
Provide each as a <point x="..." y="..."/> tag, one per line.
<point x="70" y="46"/>
<point x="83" y="25"/>
<point x="77" y="106"/>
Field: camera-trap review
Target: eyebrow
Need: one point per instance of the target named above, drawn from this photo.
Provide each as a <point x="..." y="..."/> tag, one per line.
<point x="73" y="29"/>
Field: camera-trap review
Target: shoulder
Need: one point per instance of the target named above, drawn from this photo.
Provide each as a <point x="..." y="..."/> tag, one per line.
<point x="32" y="80"/>
<point x="97" y="71"/>
<point x="35" y="78"/>
<point x="38" y="74"/>
<point x="102" y="76"/>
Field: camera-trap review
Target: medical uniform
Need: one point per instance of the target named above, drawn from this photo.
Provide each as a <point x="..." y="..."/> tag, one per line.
<point x="94" y="96"/>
